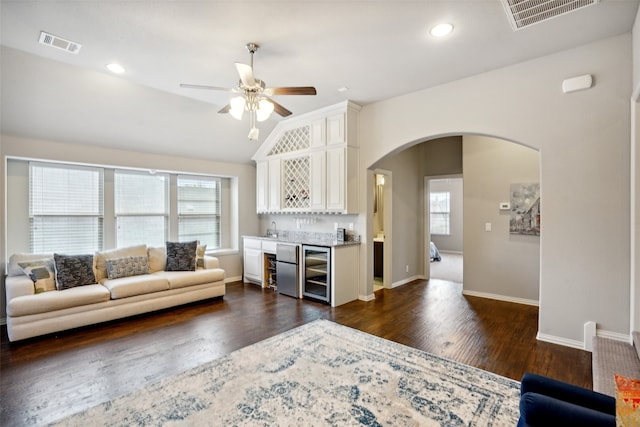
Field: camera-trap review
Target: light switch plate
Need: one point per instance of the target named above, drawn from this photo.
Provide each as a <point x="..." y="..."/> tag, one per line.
<point x="505" y="206"/>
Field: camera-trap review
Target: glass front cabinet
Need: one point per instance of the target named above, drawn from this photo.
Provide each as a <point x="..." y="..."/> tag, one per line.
<point x="316" y="264"/>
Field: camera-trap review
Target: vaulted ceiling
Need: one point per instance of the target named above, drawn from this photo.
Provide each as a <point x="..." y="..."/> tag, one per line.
<point x="376" y="49"/>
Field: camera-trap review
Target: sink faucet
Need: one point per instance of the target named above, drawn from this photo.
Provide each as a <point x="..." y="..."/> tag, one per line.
<point x="273" y="229"/>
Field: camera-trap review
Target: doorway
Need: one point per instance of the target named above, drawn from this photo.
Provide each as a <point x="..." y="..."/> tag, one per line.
<point x="444" y="227"/>
<point x="381" y="220"/>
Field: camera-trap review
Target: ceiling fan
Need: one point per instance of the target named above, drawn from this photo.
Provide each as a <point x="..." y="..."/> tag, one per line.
<point x="254" y="95"/>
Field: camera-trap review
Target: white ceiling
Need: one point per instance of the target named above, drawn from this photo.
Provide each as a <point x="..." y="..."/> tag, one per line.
<point x="378" y="49"/>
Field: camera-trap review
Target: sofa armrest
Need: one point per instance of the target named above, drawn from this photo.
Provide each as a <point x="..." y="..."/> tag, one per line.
<point x="17" y="286"/>
<point x="211" y="262"/>
<point x="540" y="410"/>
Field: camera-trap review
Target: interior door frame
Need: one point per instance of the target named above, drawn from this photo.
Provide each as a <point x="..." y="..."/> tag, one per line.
<point x="387" y="219"/>
<point x="427" y="215"/>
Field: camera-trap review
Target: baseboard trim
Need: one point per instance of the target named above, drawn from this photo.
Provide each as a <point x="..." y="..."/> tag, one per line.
<point x="370" y="297"/>
<point x="560" y="341"/>
<point x="407" y="280"/>
<point x="233" y="279"/>
<point x="501" y="297"/>
<point x="616" y="336"/>
<point x="450" y="252"/>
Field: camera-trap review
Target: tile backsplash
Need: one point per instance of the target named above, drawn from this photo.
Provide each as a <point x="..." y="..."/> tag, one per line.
<point x="320" y="228"/>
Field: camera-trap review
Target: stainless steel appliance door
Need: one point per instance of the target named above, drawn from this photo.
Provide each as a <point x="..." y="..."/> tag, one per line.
<point x="288" y="279"/>
<point x="287" y="252"/>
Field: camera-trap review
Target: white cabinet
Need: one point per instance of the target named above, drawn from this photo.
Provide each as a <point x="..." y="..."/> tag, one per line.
<point x="336" y="129"/>
<point x="335" y="178"/>
<point x="262" y="184"/>
<point x="318" y="175"/>
<point x="318" y="136"/>
<point x="344" y="275"/>
<point x="274" y="185"/>
<point x="310" y="163"/>
<point x="253" y="261"/>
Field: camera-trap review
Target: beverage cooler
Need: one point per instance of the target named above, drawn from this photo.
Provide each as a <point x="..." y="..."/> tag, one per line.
<point x="316" y="264"/>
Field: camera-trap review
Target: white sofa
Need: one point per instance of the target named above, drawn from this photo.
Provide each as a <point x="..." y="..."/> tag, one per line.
<point x="30" y="314"/>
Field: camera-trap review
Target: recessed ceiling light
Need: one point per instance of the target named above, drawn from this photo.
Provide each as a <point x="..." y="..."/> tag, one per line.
<point x="115" y="68"/>
<point x="441" y="30"/>
<point x="343" y="89"/>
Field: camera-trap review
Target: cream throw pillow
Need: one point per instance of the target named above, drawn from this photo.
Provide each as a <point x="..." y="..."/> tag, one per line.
<point x="99" y="260"/>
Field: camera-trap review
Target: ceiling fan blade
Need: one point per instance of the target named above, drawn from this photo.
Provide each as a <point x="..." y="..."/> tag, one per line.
<point x="189" y="86"/>
<point x="297" y="90"/>
<point x="279" y="108"/>
<point x="225" y="109"/>
<point x="246" y="74"/>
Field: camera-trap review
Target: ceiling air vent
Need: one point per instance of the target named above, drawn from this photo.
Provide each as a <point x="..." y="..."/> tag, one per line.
<point x="59" y="43"/>
<point x="523" y="13"/>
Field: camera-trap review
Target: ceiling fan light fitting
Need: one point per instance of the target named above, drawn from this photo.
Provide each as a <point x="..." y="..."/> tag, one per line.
<point x="265" y="108"/>
<point x="254" y="133"/>
<point x="237" y="107"/>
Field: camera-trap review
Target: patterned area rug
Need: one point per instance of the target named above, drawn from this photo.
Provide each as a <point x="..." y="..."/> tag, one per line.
<point x="319" y="374"/>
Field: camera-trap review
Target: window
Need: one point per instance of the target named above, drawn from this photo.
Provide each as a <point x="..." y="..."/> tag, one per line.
<point x="199" y="209"/>
<point x="65" y="208"/>
<point x="439" y="206"/>
<point x="141" y="205"/>
<point x="73" y="209"/>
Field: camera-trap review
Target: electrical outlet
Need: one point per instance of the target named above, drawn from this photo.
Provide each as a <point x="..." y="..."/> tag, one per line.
<point x="406" y="268"/>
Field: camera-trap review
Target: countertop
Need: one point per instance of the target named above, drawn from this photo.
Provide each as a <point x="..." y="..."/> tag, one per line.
<point x="309" y="241"/>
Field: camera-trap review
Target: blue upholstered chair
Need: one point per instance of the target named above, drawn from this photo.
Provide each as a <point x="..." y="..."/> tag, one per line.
<point x="548" y="402"/>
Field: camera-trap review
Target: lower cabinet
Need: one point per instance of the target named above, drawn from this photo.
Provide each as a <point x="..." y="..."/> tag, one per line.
<point x="330" y="274"/>
<point x="344" y="274"/>
<point x="253" y="265"/>
<point x="253" y="269"/>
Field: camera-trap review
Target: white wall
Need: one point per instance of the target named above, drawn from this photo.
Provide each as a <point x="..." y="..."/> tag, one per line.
<point x="636" y="51"/>
<point x="407" y="224"/>
<point x="583" y="139"/>
<point x="497" y="263"/>
<point x="635" y="178"/>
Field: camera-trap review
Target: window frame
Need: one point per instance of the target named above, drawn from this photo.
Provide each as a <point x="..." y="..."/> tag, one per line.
<point x="17" y="179"/>
<point x="164" y="213"/>
<point x="443" y="214"/>
<point x="48" y="217"/>
<point x="216" y="215"/>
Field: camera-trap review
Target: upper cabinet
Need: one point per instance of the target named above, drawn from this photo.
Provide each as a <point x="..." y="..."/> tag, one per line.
<point x="310" y="163"/>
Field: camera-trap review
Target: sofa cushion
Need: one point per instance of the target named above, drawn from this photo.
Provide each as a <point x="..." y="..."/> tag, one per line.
<point x="57" y="300"/>
<point x="73" y="270"/>
<point x="182" y="279"/>
<point x="127" y="266"/>
<point x="100" y="258"/>
<point x="13" y="269"/>
<point x="181" y="256"/>
<point x="157" y="258"/>
<point x="135" y="285"/>
<point x="42" y="274"/>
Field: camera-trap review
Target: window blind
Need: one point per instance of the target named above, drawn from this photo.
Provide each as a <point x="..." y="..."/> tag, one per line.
<point x="141" y="204"/>
<point x="65" y="208"/>
<point x="440" y="212"/>
<point x="199" y="209"/>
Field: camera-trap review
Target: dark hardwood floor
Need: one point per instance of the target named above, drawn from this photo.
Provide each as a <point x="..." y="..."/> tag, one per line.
<point x="47" y="378"/>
